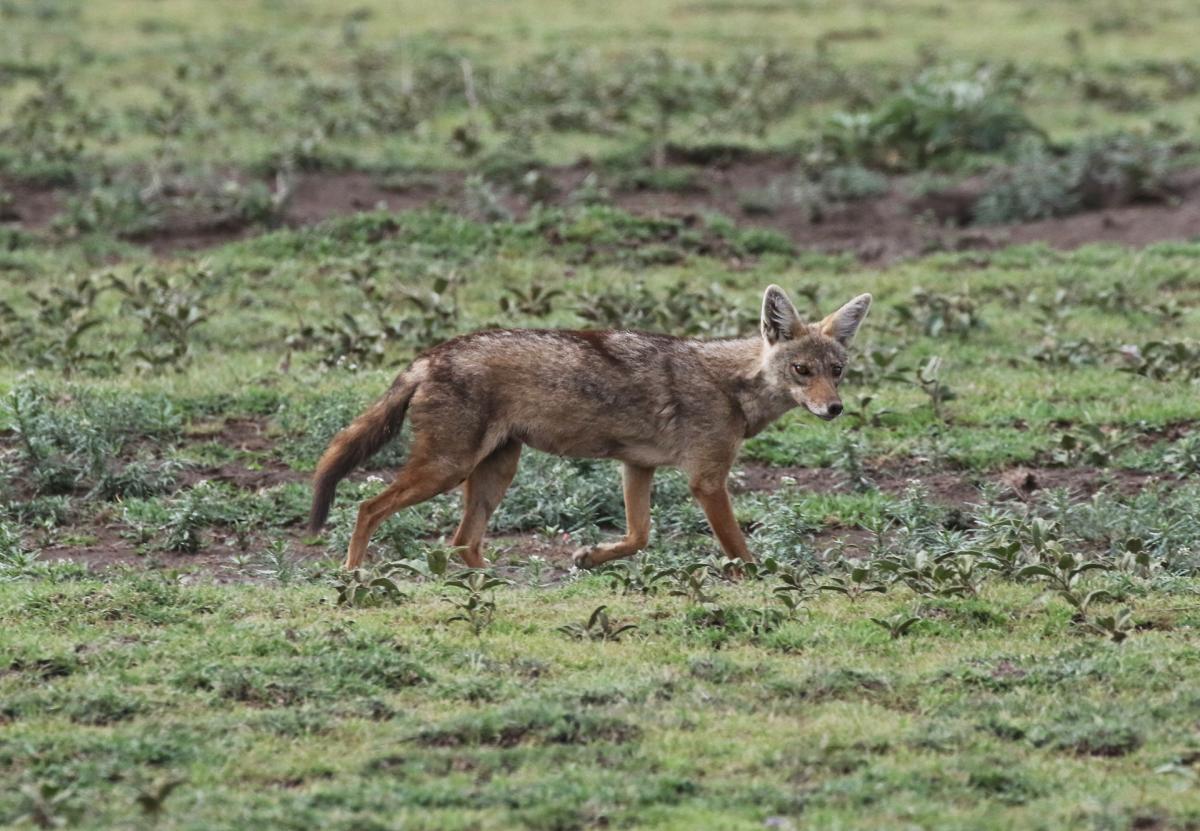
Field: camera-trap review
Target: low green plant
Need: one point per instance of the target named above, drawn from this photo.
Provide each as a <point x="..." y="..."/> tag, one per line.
<point x="1116" y="627"/>
<point x="849" y="460"/>
<point x="473" y="607"/>
<point x="361" y="589"/>
<point x="48" y="806"/>
<point x="169" y="308"/>
<point x="853" y="581"/>
<point x="929" y="381"/>
<point x="535" y="300"/>
<point x="1091" y="444"/>
<point x="636" y="576"/>
<point x="692" y="582"/>
<point x="1183" y="456"/>
<point x="435" y="566"/>
<point x="1163" y="360"/>
<point x="898" y="625"/>
<point x="598" y="627"/>
<point x="683" y="308"/>
<point x="949" y="573"/>
<point x="934" y="314"/>
<point x="1063" y="574"/>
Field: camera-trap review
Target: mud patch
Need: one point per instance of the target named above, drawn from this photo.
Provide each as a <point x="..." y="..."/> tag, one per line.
<point x="103" y="546"/>
<point x="32" y="207"/>
<point x="883" y="229"/>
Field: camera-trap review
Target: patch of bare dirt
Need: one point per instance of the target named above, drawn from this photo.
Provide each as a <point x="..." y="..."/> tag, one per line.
<point x="32" y="207"/>
<point x="511" y="555"/>
<point x="317" y="197"/>
<point x="244" y="434"/>
<point x="267" y="475"/>
<point x="104" y="545"/>
<point x="882" y="229"/>
<point x="1133" y="225"/>
<point x="898" y="225"/>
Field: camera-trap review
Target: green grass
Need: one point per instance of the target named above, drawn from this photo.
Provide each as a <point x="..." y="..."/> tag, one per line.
<point x="271" y="705"/>
<point x="273" y="708"/>
<point x="168" y="408"/>
<point x="210" y="84"/>
<point x="255" y="300"/>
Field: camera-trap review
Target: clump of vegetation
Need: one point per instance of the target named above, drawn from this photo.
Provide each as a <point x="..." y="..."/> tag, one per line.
<point x="683" y="308"/>
<point x="1039" y="185"/>
<point x="64" y="326"/>
<point x="937" y="118"/>
<point x="137" y="209"/>
<point x="1119" y="168"/>
<point x="1098" y="172"/>
<point x="45" y="136"/>
<point x="1183" y="456"/>
<point x="476" y="606"/>
<point x="364" y="340"/>
<point x="852" y="183"/>
<point x="56" y="326"/>
<point x="936" y="313"/>
<point x="815" y="196"/>
<point x="169" y="309"/>
<point x="60" y="449"/>
<point x="362" y="590"/>
<point x="1163" y="360"/>
<point x="653" y="93"/>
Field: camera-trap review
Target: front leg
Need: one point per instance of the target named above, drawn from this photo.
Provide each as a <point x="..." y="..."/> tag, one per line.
<point x="637" y="481"/>
<point x="712" y="494"/>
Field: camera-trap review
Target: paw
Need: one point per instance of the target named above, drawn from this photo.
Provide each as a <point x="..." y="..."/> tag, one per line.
<point x="582" y="557"/>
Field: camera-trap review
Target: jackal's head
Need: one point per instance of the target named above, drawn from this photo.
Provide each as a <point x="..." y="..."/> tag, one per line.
<point x="807" y="360"/>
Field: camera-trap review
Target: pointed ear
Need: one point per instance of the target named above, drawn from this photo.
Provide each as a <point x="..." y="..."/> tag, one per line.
<point x="843" y="324"/>
<point x="780" y="320"/>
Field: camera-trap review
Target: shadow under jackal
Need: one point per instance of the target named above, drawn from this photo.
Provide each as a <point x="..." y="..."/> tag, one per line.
<point x="648" y="400"/>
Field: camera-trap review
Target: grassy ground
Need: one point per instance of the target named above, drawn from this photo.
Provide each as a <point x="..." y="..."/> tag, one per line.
<point x="179" y="450"/>
<point x="1044" y="327"/>
<point x="977" y="600"/>
<point x="271" y="708"/>
<point x="224" y="83"/>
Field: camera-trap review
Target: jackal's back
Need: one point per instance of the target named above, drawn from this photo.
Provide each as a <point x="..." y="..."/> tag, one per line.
<point x="632" y="395"/>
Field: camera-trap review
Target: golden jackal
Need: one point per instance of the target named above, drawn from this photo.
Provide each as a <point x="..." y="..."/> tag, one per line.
<point x="648" y="400"/>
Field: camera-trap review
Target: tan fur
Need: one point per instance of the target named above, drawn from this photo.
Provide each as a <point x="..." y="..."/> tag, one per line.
<point x="648" y="400"/>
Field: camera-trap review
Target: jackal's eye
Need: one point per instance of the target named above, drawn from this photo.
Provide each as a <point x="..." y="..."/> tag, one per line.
<point x="802" y="370"/>
<point x="838" y="369"/>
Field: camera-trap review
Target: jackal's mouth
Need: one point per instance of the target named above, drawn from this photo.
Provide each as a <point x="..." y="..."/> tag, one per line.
<point x="828" y="413"/>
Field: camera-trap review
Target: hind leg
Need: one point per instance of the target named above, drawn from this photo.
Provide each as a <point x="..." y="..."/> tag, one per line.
<point x="422" y="477"/>
<point x="482" y="492"/>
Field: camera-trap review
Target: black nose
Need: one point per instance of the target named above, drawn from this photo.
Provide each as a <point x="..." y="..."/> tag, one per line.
<point x="835" y="409"/>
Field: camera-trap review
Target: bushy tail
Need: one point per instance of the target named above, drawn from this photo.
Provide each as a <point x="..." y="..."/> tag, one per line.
<point x="354" y="445"/>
